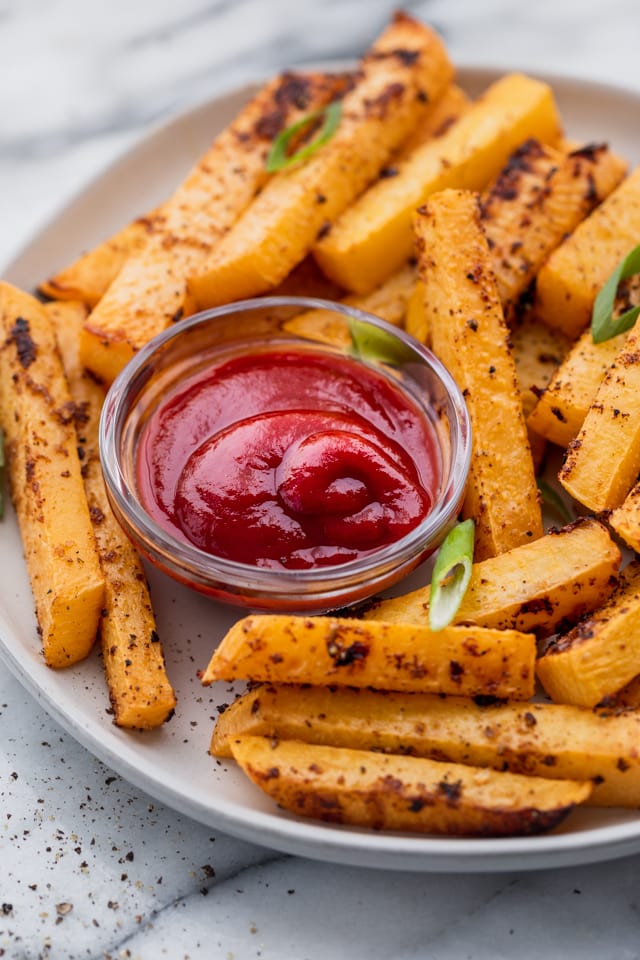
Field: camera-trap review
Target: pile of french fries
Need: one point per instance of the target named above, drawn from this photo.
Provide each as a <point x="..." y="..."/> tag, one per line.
<point x="483" y="231"/>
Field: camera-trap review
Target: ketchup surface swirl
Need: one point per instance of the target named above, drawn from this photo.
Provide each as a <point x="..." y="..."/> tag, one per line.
<point x="288" y="458"/>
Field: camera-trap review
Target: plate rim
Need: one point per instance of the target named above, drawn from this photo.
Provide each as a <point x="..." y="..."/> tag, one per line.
<point x="327" y="842"/>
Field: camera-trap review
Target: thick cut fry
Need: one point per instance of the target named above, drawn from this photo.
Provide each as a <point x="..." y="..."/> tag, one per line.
<point x="327" y="650"/>
<point x="537" y="739"/>
<point x="406" y="68"/>
<point x="534" y="588"/>
<point x="540" y="197"/>
<point x="625" y="520"/>
<point x="37" y="415"/>
<point x="150" y="291"/>
<point x="537" y="352"/>
<point x="388" y="792"/>
<point x="140" y="692"/>
<point x="561" y="409"/>
<point x="88" y="277"/>
<point x="603" y="462"/>
<point x="601" y="654"/>
<point x="374" y="237"/>
<point x="569" y="281"/>
<point x="469" y="334"/>
<point x="389" y="302"/>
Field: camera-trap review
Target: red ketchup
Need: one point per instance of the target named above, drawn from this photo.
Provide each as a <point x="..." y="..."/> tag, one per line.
<point x="288" y="458"/>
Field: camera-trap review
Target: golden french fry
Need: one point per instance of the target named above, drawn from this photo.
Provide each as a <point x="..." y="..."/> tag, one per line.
<point x="405" y="69"/>
<point x="535" y="588"/>
<point x="373" y="238"/>
<point x="388" y="792"/>
<point x="37" y="416"/>
<point x="569" y="281"/>
<point x="551" y="740"/>
<point x="603" y="462"/>
<point x="601" y="654"/>
<point x="325" y="650"/>
<point x="469" y="334"/>
<point x="150" y="291"/>
<point x="141" y="694"/>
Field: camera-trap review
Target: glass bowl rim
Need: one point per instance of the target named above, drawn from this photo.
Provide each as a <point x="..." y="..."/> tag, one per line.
<point x="187" y="561"/>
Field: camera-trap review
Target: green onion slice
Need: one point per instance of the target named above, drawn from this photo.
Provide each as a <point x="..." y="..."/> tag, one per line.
<point x="2" y="465"/>
<point x="369" y="342"/>
<point x="603" y="326"/>
<point x="451" y="574"/>
<point x="279" y="159"/>
<point x="553" y="499"/>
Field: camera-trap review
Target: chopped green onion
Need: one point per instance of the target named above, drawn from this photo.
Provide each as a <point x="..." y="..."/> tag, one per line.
<point x="2" y="465"/>
<point x="553" y="499"/>
<point x="279" y="159"/>
<point x="369" y="342"/>
<point x="603" y="325"/>
<point x="451" y="574"/>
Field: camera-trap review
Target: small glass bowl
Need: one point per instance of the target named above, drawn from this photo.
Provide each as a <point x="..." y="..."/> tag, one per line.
<point x="190" y="347"/>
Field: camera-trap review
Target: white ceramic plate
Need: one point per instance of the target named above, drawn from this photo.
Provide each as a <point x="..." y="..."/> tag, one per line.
<point x="172" y="764"/>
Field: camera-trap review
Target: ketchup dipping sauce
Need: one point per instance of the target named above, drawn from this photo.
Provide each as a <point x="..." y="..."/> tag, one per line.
<point x="273" y="471"/>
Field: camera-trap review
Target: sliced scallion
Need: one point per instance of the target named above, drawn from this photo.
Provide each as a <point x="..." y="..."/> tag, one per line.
<point x="451" y="574"/>
<point x="280" y="159"/>
<point x="553" y="500"/>
<point x="369" y="342"/>
<point x="603" y="324"/>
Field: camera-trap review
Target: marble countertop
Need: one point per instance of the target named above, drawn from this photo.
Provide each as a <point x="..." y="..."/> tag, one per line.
<point x="92" y="867"/>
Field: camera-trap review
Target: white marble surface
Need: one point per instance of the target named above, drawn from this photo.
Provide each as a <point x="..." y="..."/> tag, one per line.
<point x="90" y="867"/>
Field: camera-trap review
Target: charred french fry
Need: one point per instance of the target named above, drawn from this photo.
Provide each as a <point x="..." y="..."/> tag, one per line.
<point x="569" y="281"/>
<point x="150" y="291"/>
<point x="603" y="462"/>
<point x="140" y="692"/>
<point x="560" y="411"/>
<point x="37" y="415"/>
<point x="538" y="199"/>
<point x="88" y="278"/>
<point x="551" y="740"/>
<point x="601" y="654"/>
<point x="327" y="650"/>
<point x="374" y="236"/>
<point x="406" y="67"/>
<point x="388" y="792"/>
<point x="625" y="519"/>
<point x="469" y="334"/>
<point x="534" y="588"/>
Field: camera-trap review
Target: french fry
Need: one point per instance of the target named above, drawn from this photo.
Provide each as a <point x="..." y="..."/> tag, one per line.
<point x="569" y="281"/>
<point x="150" y="291"/>
<point x="469" y="334"/>
<point x="88" y="277"/>
<point x="537" y="352"/>
<point x="406" y="69"/>
<point x="603" y="462"/>
<point x="374" y="237"/>
<point x="550" y="740"/>
<point x="625" y="519"/>
<point x="561" y="409"/>
<point x="601" y="654"/>
<point x="389" y="302"/>
<point x="387" y="792"/>
<point x="37" y="415"/>
<point x="540" y="196"/>
<point x="327" y="650"/>
<point x="140" y="692"/>
<point x="534" y="588"/>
